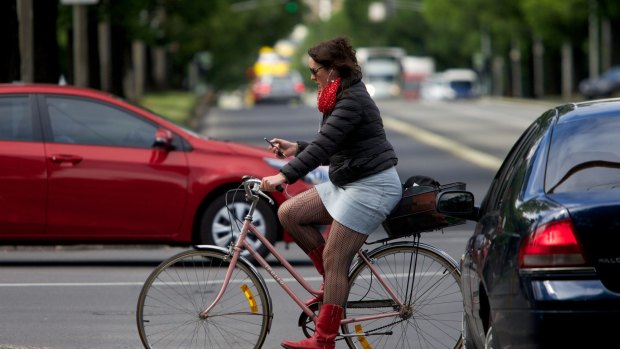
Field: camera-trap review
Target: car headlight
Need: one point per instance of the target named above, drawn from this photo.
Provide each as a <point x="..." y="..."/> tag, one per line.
<point x="316" y="176"/>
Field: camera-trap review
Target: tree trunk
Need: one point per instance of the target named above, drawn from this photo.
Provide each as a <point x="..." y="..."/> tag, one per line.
<point x="567" y="71"/>
<point x="515" y="69"/>
<point x="539" y="78"/>
<point x="46" y="53"/>
<point x="9" y="41"/>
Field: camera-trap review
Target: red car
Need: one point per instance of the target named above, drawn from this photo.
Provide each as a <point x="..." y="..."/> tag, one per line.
<point x="82" y="166"/>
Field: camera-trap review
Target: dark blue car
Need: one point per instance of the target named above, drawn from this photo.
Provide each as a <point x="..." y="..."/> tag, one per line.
<point x="604" y="86"/>
<point x="542" y="268"/>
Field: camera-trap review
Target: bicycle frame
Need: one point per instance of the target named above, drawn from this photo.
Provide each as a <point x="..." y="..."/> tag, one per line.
<point x="241" y="244"/>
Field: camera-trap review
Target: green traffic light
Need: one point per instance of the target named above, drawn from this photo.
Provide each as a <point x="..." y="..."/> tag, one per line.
<point x="291" y="7"/>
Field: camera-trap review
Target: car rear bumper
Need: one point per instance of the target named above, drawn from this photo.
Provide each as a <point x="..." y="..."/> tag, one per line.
<point x="573" y="290"/>
<point x="564" y="313"/>
<point x="557" y="329"/>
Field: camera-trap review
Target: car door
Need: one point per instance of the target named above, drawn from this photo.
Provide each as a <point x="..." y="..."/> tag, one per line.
<point x="22" y="169"/>
<point x="481" y="262"/>
<point x="106" y="181"/>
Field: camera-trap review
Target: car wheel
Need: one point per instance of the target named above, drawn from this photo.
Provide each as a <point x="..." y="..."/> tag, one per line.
<point x="220" y="227"/>
<point x="490" y="341"/>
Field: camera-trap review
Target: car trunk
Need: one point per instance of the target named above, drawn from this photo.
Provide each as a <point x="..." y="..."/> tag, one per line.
<point x="596" y="217"/>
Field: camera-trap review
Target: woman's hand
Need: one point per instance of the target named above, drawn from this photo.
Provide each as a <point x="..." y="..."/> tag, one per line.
<point x="288" y="148"/>
<point x="270" y="183"/>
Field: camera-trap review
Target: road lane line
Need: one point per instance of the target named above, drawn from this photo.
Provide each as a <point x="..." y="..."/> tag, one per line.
<point x="70" y="284"/>
<point x="460" y="150"/>
<point x="101" y="284"/>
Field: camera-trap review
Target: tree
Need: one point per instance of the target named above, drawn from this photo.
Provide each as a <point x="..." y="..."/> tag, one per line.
<point x="9" y="41"/>
<point x="232" y="35"/>
<point x="559" y="23"/>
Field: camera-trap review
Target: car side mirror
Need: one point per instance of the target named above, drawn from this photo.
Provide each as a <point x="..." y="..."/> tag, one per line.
<point x="457" y="203"/>
<point x="163" y="138"/>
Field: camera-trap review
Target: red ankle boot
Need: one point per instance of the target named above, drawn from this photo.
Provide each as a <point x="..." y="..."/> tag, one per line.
<point x="316" y="256"/>
<point x="327" y="325"/>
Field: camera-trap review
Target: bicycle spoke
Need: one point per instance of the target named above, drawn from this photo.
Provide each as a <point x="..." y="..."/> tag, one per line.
<point x="178" y="291"/>
<point x="432" y="313"/>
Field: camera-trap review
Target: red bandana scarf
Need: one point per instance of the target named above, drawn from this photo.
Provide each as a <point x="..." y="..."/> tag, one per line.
<point x="326" y="98"/>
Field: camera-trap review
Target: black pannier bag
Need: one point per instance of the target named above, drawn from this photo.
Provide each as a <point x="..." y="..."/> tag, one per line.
<point x="416" y="212"/>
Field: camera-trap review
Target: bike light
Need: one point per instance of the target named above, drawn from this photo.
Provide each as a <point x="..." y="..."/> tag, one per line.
<point x="551" y="245"/>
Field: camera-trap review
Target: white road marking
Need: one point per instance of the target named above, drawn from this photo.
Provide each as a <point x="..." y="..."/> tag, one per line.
<point x="460" y="150"/>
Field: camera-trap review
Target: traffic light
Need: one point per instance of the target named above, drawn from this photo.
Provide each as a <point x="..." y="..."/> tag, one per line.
<point x="291" y="6"/>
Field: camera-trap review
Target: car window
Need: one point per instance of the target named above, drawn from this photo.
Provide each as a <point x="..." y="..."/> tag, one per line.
<point x="15" y="119"/>
<point x="512" y="167"/>
<point x="536" y="158"/>
<point x="80" y="121"/>
<point x="584" y="155"/>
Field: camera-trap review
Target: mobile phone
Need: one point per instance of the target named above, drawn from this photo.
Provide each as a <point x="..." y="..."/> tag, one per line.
<point x="280" y="153"/>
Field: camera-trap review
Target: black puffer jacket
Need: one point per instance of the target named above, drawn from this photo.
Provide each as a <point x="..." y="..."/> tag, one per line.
<point x="351" y="140"/>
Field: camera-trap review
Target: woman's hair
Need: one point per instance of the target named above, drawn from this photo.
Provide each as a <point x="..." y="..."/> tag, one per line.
<point x="338" y="54"/>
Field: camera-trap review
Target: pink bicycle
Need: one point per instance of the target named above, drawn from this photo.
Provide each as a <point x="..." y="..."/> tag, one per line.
<point x="403" y="294"/>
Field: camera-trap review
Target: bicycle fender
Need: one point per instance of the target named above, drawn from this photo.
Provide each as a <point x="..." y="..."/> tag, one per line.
<point x="407" y="244"/>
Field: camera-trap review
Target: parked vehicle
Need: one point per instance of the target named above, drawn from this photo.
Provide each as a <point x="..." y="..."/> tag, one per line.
<point x="604" y="86"/>
<point x="542" y="267"/>
<point x="78" y="166"/>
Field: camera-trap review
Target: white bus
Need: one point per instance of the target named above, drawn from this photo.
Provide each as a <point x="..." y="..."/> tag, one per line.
<point x="382" y="70"/>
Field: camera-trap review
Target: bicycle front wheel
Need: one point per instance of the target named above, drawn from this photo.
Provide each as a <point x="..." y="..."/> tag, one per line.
<point x="425" y="280"/>
<point x="180" y="288"/>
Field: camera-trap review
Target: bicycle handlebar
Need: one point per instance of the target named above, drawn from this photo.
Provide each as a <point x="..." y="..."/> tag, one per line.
<point x="251" y="186"/>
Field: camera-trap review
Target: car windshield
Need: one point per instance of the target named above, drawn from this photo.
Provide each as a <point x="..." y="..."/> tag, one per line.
<point x="584" y="156"/>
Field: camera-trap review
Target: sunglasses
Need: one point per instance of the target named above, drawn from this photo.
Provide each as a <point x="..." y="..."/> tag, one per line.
<point x="313" y="71"/>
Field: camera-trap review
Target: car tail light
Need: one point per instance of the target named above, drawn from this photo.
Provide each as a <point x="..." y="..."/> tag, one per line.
<point x="550" y="246"/>
<point x="299" y="87"/>
<point x="262" y="89"/>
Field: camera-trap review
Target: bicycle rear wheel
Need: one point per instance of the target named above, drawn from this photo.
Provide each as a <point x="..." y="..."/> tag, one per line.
<point x="184" y="285"/>
<point x="429" y="286"/>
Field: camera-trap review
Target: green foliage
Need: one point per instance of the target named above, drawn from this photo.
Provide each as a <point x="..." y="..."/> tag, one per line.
<point x="556" y="21"/>
<point x="448" y="30"/>
<point x="232" y="36"/>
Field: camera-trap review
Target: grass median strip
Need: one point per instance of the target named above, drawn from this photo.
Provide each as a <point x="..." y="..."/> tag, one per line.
<point x="175" y="106"/>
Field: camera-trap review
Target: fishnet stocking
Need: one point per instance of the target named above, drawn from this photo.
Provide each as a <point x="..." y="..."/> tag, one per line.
<point x="300" y="214"/>
<point x="342" y="244"/>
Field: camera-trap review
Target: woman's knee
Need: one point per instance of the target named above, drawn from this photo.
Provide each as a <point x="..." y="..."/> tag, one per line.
<point x="284" y="214"/>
